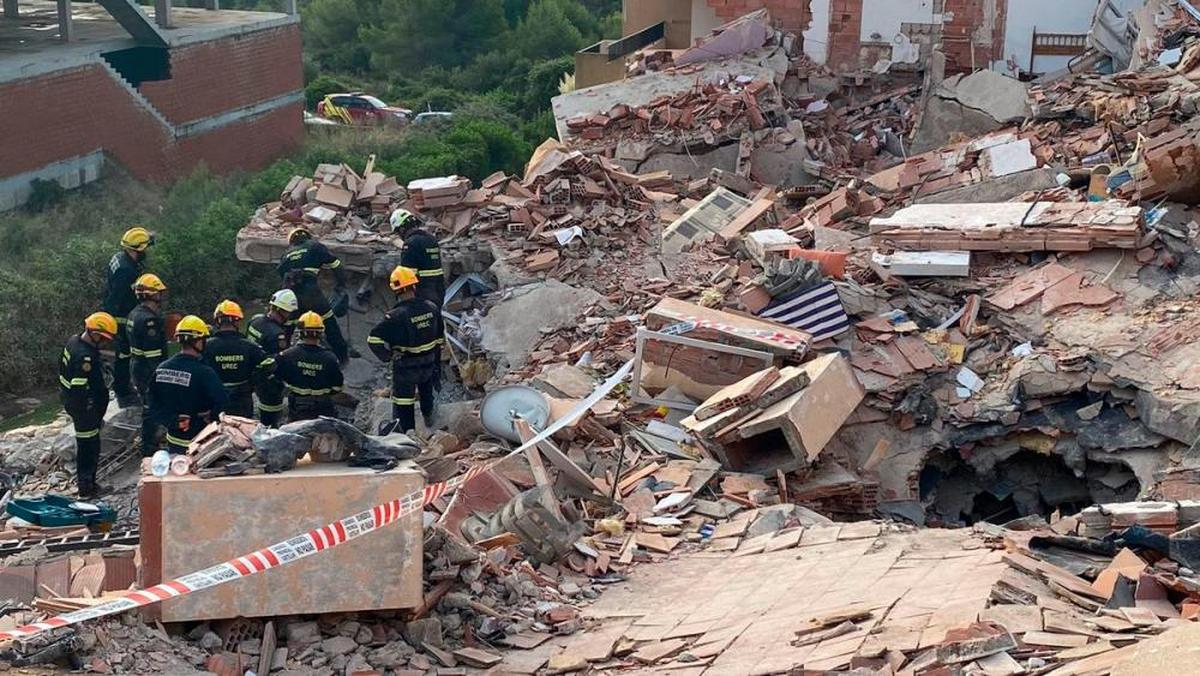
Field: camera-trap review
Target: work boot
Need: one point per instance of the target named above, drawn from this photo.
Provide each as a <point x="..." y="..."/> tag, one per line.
<point x="428" y="418"/>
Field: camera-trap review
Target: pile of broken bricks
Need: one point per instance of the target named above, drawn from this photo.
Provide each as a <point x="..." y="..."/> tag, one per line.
<point x="707" y="112"/>
<point x="335" y="200"/>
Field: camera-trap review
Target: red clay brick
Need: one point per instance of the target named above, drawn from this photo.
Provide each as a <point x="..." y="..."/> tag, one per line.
<point x="84" y="109"/>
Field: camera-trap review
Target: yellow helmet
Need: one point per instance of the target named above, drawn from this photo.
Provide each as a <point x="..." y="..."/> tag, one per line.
<point x="102" y="323"/>
<point x="228" y="309"/>
<point x="137" y="238"/>
<point x="191" y="327"/>
<point x="402" y="278"/>
<point x="148" y="284"/>
<point x="299" y="235"/>
<point x="311" y="321"/>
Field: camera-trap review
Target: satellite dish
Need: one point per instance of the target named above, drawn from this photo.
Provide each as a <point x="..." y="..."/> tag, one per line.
<point x="500" y="407"/>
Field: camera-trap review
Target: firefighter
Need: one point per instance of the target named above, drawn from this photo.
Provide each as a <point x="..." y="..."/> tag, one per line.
<point x="421" y="253"/>
<point x="85" y="396"/>
<point x="146" y="334"/>
<point x="299" y="268"/>
<point x="239" y="362"/>
<point x="273" y="333"/>
<point x="410" y="336"/>
<point x="186" y="393"/>
<point x="311" y="372"/>
<point x="119" y="300"/>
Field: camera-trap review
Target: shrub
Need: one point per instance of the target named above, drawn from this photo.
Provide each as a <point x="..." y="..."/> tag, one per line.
<point x="319" y="88"/>
<point x="44" y="194"/>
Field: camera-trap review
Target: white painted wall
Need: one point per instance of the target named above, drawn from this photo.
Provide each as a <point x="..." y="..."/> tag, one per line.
<point x="1063" y="16"/>
<point x="882" y="18"/>
<point x="816" y="38"/>
<point x="1070" y="16"/>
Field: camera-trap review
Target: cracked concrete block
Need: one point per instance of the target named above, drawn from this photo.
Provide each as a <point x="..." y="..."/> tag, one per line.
<point x="1001" y="97"/>
<point x="1171" y="414"/>
<point x="513" y="326"/>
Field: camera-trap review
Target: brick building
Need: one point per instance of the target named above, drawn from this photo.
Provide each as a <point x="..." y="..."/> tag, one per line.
<point x="157" y="96"/>
<point x="1010" y="36"/>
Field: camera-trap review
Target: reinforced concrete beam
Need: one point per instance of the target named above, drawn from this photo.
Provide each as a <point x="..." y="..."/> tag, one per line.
<point x="66" y="29"/>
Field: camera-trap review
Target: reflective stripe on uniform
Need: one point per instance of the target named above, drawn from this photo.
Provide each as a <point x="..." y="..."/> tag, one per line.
<point x="120" y="320"/>
<point x="327" y="315"/>
<point x="376" y="340"/>
<point x="419" y="349"/>
<point x="86" y="434"/>
<point x="306" y="392"/>
<point x="430" y="273"/>
<point x="404" y="401"/>
<point x="147" y="354"/>
<point x="269" y="408"/>
<point x="74" y="382"/>
<point x="237" y="384"/>
<point x="171" y="439"/>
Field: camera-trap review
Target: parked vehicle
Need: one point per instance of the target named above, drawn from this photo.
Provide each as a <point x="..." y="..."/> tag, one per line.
<point x="432" y="116"/>
<point x="357" y="108"/>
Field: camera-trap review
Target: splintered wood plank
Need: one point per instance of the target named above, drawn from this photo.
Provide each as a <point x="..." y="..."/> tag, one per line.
<point x="626" y="484"/>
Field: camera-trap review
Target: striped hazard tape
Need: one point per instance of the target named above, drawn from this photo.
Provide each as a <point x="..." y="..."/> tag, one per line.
<point x="305" y="544"/>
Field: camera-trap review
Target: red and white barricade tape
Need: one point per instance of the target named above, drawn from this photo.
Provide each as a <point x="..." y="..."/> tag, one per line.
<point x="305" y="544"/>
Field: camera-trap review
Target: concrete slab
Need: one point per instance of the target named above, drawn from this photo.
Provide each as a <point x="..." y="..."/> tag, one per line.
<point x="513" y="326"/>
<point x="29" y="45"/>
<point x="189" y="523"/>
<point x="1003" y="98"/>
<point x="640" y="90"/>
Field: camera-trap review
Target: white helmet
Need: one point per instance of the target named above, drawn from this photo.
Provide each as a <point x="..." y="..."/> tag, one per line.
<point x="285" y="299"/>
<point x="402" y="218"/>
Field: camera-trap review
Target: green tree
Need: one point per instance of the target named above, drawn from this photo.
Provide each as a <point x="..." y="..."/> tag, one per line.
<point x="413" y="34"/>
<point x="542" y="84"/>
<point x="547" y="32"/>
<point x="331" y="32"/>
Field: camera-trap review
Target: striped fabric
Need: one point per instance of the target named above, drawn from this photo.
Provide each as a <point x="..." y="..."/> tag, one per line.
<point x="817" y="310"/>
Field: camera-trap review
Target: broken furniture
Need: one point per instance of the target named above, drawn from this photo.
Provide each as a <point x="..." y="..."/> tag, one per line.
<point x="700" y="350"/>
<point x="787" y="424"/>
<point x="188" y="522"/>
